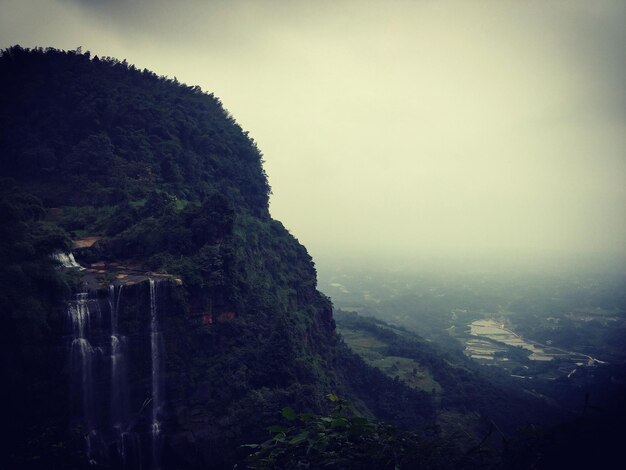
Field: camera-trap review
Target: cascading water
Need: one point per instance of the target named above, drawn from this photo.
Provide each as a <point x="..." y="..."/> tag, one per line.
<point x="119" y="384"/>
<point x="156" y="346"/>
<point x="81" y="362"/>
<point x="108" y="412"/>
<point x="67" y="260"/>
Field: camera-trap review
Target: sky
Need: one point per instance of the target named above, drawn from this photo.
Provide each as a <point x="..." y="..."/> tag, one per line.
<point x="397" y="129"/>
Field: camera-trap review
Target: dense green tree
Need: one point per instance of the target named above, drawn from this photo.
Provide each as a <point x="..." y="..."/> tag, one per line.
<point x="344" y="439"/>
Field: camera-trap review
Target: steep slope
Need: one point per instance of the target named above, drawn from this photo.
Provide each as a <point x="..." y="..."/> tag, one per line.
<point x="146" y="175"/>
<point x="196" y="316"/>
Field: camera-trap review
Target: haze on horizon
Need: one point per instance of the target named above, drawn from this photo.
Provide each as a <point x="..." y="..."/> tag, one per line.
<point x="401" y="129"/>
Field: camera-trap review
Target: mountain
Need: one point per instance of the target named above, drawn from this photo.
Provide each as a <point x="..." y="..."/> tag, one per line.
<point x="197" y="317"/>
<point x="154" y="315"/>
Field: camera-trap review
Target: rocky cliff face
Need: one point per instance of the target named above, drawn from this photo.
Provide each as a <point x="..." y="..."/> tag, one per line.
<point x="128" y="368"/>
<point x="116" y="373"/>
<point x="154" y="383"/>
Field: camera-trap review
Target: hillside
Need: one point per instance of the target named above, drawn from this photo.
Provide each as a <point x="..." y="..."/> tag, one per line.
<point x="191" y="317"/>
<point x="468" y="398"/>
<point x="164" y="181"/>
<point x="163" y="200"/>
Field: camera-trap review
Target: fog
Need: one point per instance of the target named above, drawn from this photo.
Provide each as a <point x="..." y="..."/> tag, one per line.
<point x="398" y="130"/>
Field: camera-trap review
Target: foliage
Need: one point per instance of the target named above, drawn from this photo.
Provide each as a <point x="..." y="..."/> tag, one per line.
<point x="344" y="439"/>
<point x="31" y="284"/>
<point x="115" y="134"/>
<point x="32" y="289"/>
<point x="168" y="182"/>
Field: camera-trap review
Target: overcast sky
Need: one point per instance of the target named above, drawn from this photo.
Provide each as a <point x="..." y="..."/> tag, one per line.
<point x="397" y="128"/>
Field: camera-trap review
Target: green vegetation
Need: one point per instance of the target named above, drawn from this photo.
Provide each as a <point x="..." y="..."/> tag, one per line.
<point x="346" y="440"/>
<point x="31" y="286"/>
<point x="114" y="134"/>
<point x="457" y="386"/>
<point x="373" y="351"/>
<point x="168" y="182"/>
<point x="29" y="311"/>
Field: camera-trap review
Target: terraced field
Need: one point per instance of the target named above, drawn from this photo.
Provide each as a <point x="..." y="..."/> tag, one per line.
<point x="374" y="352"/>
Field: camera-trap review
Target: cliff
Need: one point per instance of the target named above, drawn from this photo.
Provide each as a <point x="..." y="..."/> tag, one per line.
<point x="154" y="315"/>
<point x="147" y="181"/>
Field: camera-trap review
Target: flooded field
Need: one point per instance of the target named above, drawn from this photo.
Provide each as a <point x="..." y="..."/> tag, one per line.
<point x="497" y="332"/>
<point x="490" y="342"/>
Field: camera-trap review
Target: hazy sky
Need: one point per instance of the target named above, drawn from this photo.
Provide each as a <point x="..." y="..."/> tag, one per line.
<point x="397" y="128"/>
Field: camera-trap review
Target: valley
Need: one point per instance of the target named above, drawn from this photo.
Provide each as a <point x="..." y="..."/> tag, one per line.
<point x="559" y="336"/>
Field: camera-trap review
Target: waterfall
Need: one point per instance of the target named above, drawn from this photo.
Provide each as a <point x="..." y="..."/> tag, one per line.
<point x="81" y="360"/>
<point x="130" y="451"/>
<point x="119" y="384"/>
<point x="89" y="376"/>
<point x="67" y="260"/>
<point x="101" y="357"/>
<point x="86" y="356"/>
<point x="156" y="345"/>
<point x="127" y="444"/>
